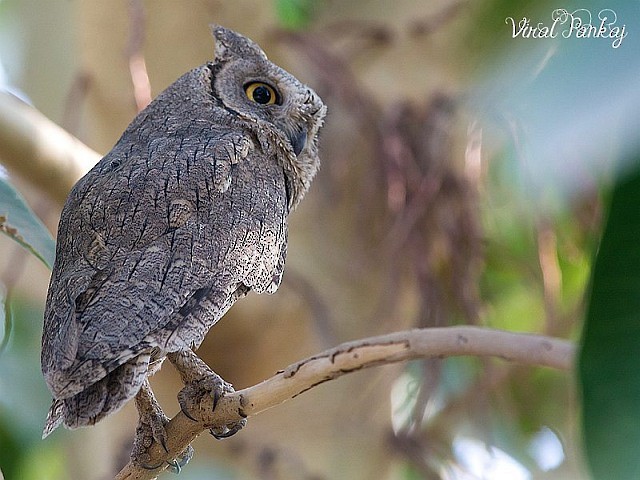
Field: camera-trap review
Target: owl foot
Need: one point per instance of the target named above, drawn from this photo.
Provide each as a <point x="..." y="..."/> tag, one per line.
<point x="215" y="387"/>
<point x="151" y="427"/>
<point x="191" y="395"/>
<point x="200" y="382"/>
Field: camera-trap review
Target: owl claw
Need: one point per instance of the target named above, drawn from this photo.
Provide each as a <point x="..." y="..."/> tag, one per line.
<point x="202" y="382"/>
<point x="179" y="462"/>
<point x="151" y="427"/>
<point x="149" y="430"/>
<point x="228" y="430"/>
<point x="187" y="414"/>
<point x="174" y="466"/>
<point x="148" y="467"/>
<point x="163" y="442"/>
<point x="216" y="398"/>
<point x="140" y="455"/>
<point x="193" y="392"/>
<point x="190" y="396"/>
<point x="217" y="395"/>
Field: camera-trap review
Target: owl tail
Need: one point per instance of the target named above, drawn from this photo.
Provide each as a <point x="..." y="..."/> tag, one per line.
<point x="100" y="399"/>
<point x="54" y="418"/>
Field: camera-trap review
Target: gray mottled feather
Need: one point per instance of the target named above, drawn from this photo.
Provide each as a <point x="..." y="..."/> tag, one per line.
<point x="184" y="216"/>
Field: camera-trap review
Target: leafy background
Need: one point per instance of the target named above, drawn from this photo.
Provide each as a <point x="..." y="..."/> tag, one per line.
<point x="467" y="177"/>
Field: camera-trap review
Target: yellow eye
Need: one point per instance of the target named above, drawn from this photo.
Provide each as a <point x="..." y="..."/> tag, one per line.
<point x="261" y="93"/>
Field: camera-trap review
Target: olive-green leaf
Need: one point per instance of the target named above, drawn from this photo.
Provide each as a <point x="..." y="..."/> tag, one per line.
<point x="19" y="222"/>
<point x="294" y="14"/>
<point x="609" y="360"/>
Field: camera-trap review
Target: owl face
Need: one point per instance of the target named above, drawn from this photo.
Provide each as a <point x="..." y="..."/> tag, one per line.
<point x="267" y="93"/>
<point x="262" y="93"/>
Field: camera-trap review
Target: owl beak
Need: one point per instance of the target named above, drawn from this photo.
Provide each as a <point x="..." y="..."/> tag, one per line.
<point x="298" y="141"/>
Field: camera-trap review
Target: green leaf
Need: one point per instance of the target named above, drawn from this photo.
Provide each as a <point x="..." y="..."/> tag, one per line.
<point x="18" y="222"/>
<point x="6" y="322"/>
<point x="609" y="360"/>
<point x="294" y="14"/>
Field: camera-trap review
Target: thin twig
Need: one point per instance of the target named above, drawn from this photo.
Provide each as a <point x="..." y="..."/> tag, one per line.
<point x="349" y="357"/>
<point x="137" y="64"/>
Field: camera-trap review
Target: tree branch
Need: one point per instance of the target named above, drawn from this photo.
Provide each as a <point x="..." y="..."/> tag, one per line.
<point x="40" y="151"/>
<point x="349" y="357"/>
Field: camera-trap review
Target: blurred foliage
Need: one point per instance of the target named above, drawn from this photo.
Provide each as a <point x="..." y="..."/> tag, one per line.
<point x="410" y="223"/>
<point x="24" y="401"/>
<point x="19" y="223"/>
<point x="609" y="375"/>
<point x="295" y="14"/>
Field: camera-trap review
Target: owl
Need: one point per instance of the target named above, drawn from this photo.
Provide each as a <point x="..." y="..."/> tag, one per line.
<point x="185" y="215"/>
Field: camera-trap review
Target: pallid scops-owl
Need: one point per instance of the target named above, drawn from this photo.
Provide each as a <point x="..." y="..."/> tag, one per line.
<point x="186" y="214"/>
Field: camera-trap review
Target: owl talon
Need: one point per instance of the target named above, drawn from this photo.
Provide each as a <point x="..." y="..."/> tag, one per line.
<point x="187" y="414"/>
<point x="174" y="466"/>
<point x="217" y="394"/>
<point x="148" y="467"/>
<point x="180" y="461"/>
<point x="193" y="392"/>
<point x="151" y="427"/>
<point x="228" y="431"/>
<point x="163" y="442"/>
<point x="200" y="382"/>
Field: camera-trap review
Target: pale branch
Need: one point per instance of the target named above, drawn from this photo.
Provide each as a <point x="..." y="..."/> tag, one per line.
<point x="137" y="65"/>
<point x="520" y="348"/>
<point x="39" y="151"/>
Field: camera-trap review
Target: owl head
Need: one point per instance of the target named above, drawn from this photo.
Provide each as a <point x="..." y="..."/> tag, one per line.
<point x="285" y="112"/>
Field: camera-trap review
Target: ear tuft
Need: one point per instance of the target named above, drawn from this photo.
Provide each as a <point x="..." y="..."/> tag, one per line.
<point x="230" y="44"/>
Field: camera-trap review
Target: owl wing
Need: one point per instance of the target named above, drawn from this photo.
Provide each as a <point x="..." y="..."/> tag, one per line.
<point x="151" y="252"/>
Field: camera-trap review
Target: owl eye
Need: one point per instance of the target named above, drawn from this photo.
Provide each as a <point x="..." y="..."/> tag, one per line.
<point x="261" y="93"/>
